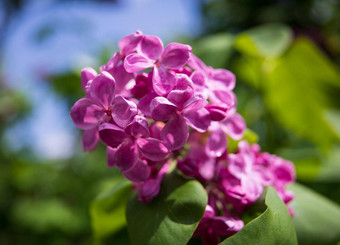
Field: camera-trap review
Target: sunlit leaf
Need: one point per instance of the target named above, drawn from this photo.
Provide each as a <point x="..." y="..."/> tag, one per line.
<point x="293" y="92"/>
<point x="172" y="217"/>
<point x="317" y="219"/>
<point x="268" y="40"/>
<point x="274" y="226"/>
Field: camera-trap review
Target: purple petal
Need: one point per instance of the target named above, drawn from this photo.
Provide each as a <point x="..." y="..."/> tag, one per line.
<point x="151" y="47"/>
<point x="86" y="114"/>
<point x="87" y="74"/>
<point x="199" y="120"/>
<point x="115" y="66"/>
<point x="175" y="56"/>
<point x="183" y="90"/>
<point x="113" y="62"/>
<point x="144" y="103"/>
<point x="152" y="149"/>
<point x="136" y="62"/>
<point x="234" y="126"/>
<point x="217" y="112"/>
<point x="225" y="77"/>
<point x="126" y="155"/>
<point x="123" y="111"/>
<point x="198" y="78"/>
<point x="196" y="102"/>
<point x="90" y="139"/>
<point x="151" y="187"/>
<point x="226" y="98"/>
<point x="149" y="190"/>
<point x="197" y="64"/>
<point x="110" y="152"/>
<point x="175" y="133"/>
<point x="138" y="127"/>
<point x="103" y="89"/>
<point x="111" y="135"/>
<point x="162" y="109"/>
<point x="217" y="143"/>
<point x="139" y="172"/>
<point x="163" y="81"/>
<point x="130" y="42"/>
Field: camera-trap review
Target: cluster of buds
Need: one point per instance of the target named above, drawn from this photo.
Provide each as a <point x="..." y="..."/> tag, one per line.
<point x="152" y="106"/>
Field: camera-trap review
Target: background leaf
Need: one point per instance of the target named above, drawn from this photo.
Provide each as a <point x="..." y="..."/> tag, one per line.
<point x="317" y="219"/>
<point x="172" y="217"/>
<point x="268" y="40"/>
<point x="108" y="210"/>
<point x="274" y="226"/>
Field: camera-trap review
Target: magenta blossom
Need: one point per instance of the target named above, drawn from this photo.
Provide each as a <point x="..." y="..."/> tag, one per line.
<point x="181" y="107"/>
<point x="150" y="54"/>
<point x="133" y="147"/>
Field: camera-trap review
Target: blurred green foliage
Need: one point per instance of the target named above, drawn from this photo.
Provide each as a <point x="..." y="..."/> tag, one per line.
<point x="285" y="55"/>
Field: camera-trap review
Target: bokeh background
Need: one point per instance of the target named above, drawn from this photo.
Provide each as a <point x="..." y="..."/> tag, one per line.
<point x="285" y="54"/>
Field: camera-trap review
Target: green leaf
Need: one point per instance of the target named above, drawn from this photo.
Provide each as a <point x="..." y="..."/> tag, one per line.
<point x="317" y="219"/>
<point x="214" y="50"/>
<point x="172" y="217"/>
<point x="274" y="226"/>
<point x="294" y="92"/>
<point x="268" y="40"/>
<point x="108" y="210"/>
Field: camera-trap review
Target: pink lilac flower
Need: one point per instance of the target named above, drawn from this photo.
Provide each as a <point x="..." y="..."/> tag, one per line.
<point x="181" y="107"/>
<point x="132" y="147"/>
<point x="152" y="105"/>
<point x="150" y="54"/>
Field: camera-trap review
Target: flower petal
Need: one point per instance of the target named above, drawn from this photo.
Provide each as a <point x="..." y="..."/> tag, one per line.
<point x="224" y="97"/>
<point x="195" y="103"/>
<point x="224" y="77"/>
<point x="123" y="111"/>
<point x="139" y="172"/>
<point x="199" y="120"/>
<point x="90" y="139"/>
<point x="162" y="109"/>
<point x="126" y="155"/>
<point x="151" y="47"/>
<point x="163" y="81"/>
<point x="175" y="56"/>
<point x="136" y="62"/>
<point x="102" y="89"/>
<point x="175" y="133"/>
<point x="197" y="64"/>
<point x="87" y="74"/>
<point x="111" y="135"/>
<point x="86" y="114"/>
<point x="182" y="92"/>
<point x="234" y="126"/>
<point x="138" y="127"/>
<point x="144" y="103"/>
<point x="152" y="149"/>
<point x="217" y="144"/>
<point x="115" y="66"/>
<point x="110" y="152"/>
<point x="217" y="111"/>
<point x="130" y="42"/>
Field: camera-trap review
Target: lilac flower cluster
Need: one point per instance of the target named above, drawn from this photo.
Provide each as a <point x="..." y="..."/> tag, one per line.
<point x="152" y="105"/>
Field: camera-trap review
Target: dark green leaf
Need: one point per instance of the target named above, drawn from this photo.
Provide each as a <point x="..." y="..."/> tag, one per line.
<point x="317" y="219"/>
<point x="274" y="226"/>
<point x="172" y="217"/>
